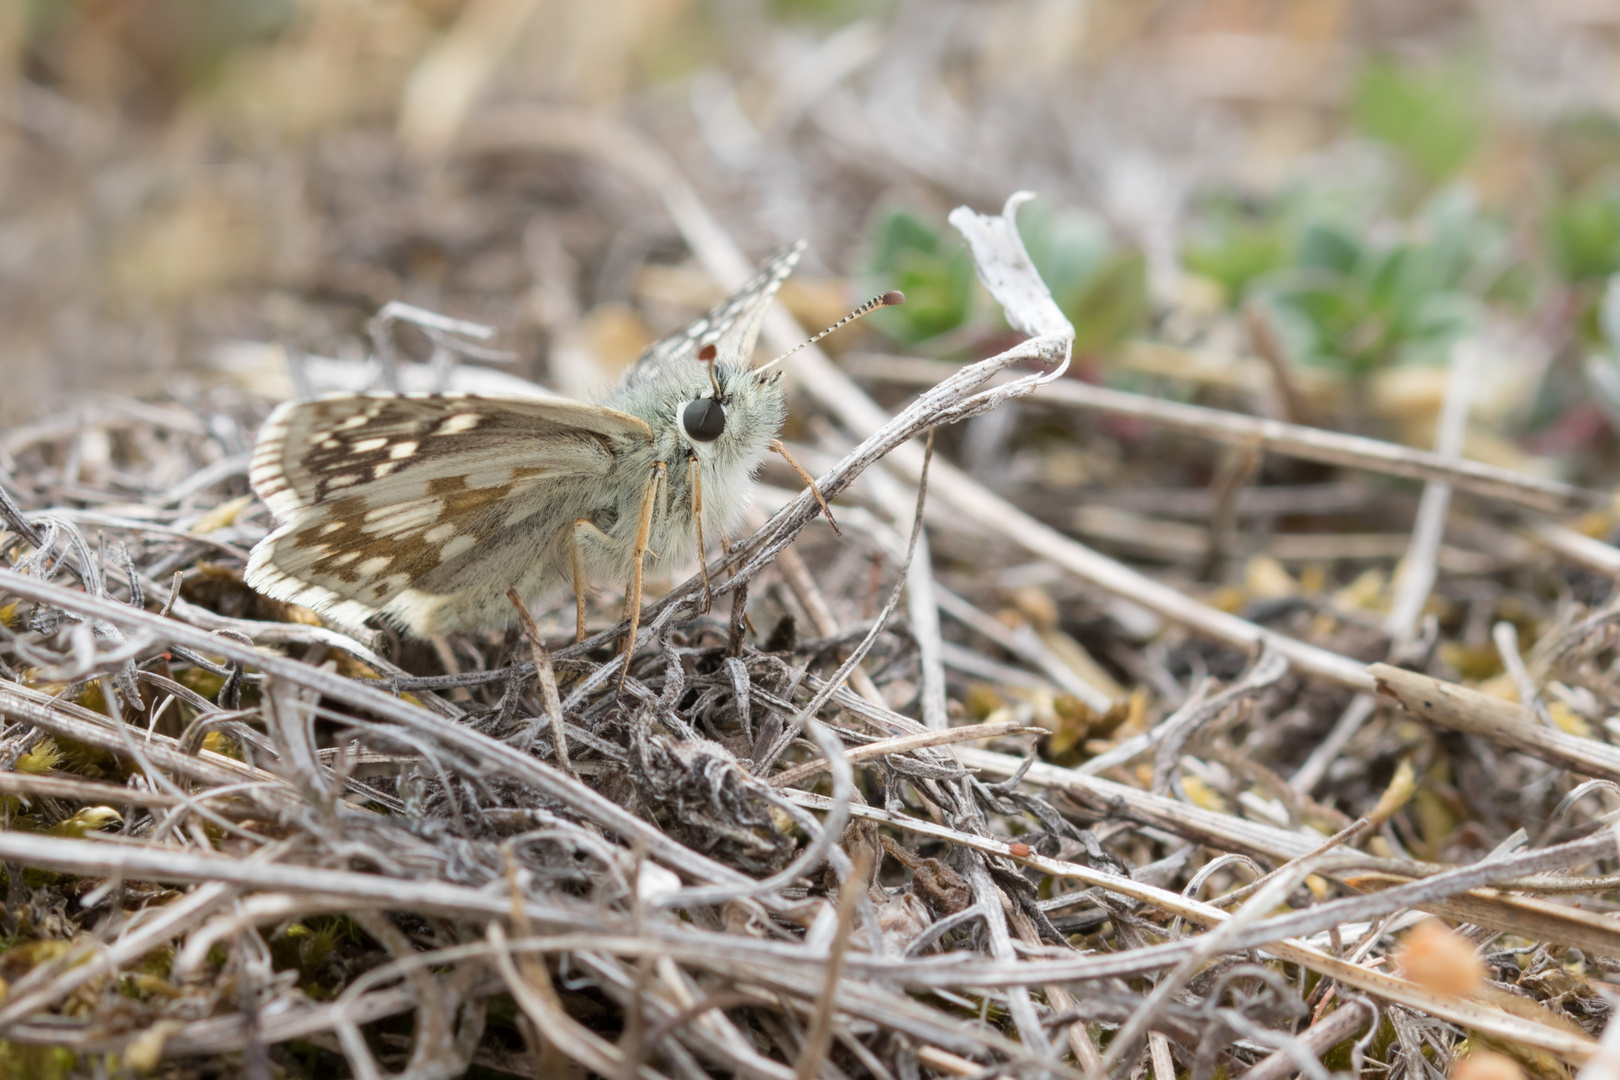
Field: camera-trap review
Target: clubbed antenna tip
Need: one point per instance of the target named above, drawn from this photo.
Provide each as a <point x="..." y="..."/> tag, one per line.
<point x="892" y="298"/>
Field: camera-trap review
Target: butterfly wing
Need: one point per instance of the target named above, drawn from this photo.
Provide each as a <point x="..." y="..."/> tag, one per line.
<point x="374" y="491"/>
<point x="732" y="325"/>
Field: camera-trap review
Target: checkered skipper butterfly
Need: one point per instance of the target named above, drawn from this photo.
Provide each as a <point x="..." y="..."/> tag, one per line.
<point x="424" y="509"/>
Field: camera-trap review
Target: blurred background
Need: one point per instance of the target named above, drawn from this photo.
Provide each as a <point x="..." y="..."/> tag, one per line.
<point x="1288" y="206"/>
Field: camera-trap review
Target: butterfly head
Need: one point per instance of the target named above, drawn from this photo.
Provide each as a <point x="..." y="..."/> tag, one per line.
<point x="735" y="403"/>
<point x="704" y="420"/>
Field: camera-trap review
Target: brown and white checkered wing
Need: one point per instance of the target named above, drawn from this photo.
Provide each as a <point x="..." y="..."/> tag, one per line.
<point x="374" y="491"/>
<point x="732" y="325"/>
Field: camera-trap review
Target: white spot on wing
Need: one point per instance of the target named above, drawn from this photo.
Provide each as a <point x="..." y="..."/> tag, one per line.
<point x="374" y="565"/>
<point x="343" y="481"/>
<point x="402" y="450"/>
<point x="440" y="533"/>
<point x="402" y="517"/>
<point x="459" y="423"/>
<point x="367" y="445"/>
<point x="456" y="547"/>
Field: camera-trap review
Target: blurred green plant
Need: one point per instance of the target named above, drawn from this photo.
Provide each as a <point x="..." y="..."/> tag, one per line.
<point x="1430" y="114"/>
<point x="307" y="946"/>
<point x="1232" y="246"/>
<point x="936" y="274"/>
<point x="1101" y="287"/>
<point x="1583" y="231"/>
<point x="1603" y="366"/>
<point x="1354" y="301"/>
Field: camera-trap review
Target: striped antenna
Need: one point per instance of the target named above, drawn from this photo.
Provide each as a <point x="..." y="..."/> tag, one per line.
<point x="892" y="298"/>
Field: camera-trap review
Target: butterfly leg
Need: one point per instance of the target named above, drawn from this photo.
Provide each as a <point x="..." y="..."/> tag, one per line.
<point x="649" y="500"/>
<point x="581" y="586"/>
<point x="696" y="471"/>
<point x="776" y="444"/>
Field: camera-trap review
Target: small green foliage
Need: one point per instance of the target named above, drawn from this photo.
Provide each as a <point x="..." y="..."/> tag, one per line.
<point x="1355" y="302"/>
<point x="1232" y="248"/>
<point x="1431" y="115"/>
<point x="19" y="1061"/>
<point x="307" y="947"/>
<point x="935" y="274"/>
<point x="1583" y="231"/>
<point x="313" y="951"/>
<point x="1112" y="306"/>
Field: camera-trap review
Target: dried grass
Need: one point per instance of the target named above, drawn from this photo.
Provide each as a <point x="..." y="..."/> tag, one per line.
<point x="1017" y="807"/>
<point x="362" y="842"/>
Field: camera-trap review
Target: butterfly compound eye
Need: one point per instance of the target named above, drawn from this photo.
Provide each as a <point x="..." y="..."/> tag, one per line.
<point x="704" y="419"/>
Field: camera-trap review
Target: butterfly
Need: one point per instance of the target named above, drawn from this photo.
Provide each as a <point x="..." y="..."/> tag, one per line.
<point x="423" y="510"/>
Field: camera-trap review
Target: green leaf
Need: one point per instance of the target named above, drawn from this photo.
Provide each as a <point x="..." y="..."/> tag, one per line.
<point x="1233" y="253"/>
<point x="1356" y="300"/>
<point x="1583" y="233"/>
<point x="936" y="276"/>
<point x="1329" y="246"/>
<point x="1431" y="115"/>
<point x="1112" y="305"/>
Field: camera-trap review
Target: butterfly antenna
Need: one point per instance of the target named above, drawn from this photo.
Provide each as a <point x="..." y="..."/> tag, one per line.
<point x="707" y="355"/>
<point x="892" y="298"/>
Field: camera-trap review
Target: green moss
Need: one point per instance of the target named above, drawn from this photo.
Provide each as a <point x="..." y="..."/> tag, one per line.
<point x="24" y="1062"/>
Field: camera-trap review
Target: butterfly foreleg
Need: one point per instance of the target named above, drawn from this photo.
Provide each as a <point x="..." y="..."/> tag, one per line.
<point x="696" y="471"/>
<point x="632" y="600"/>
<point x="582" y="583"/>
<point x="776" y="444"/>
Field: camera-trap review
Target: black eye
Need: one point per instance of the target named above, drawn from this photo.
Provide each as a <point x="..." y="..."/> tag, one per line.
<point x="704" y="419"/>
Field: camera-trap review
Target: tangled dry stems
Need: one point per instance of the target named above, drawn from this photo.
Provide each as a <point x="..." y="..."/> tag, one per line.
<point x="240" y="839"/>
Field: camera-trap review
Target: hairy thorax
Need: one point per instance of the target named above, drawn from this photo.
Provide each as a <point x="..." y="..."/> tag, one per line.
<point x="715" y="474"/>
